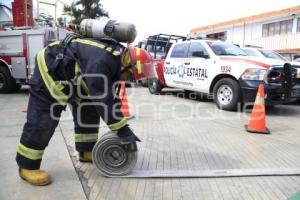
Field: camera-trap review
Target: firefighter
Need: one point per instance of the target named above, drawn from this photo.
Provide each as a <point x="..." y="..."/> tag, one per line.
<point x="81" y="73"/>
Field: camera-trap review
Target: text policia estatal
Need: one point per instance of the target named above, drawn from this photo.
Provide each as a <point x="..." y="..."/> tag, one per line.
<point x="193" y="72"/>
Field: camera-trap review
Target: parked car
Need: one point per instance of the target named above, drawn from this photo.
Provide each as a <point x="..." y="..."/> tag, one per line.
<point x="264" y="53"/>
<point x="225" y="71"/>
<point x="297" y="60"/>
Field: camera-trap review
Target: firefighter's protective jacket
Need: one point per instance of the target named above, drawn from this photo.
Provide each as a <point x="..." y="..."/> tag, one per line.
<point x="86" y="69"/>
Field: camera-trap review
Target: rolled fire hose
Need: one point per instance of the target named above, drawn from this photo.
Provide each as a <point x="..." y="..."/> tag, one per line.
<point x="110" y="158"/>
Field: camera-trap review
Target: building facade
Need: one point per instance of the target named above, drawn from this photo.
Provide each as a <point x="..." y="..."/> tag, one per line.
<point x="276" y="30"/>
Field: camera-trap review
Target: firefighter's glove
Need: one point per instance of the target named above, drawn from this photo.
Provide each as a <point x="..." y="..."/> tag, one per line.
<point x="129" y="146"/>
<point x="126" y="134"/>
<point x="128" y="139"/>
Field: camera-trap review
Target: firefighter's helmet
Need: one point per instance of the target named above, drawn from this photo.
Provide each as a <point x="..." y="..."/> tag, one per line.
<point x="139" y="60"/>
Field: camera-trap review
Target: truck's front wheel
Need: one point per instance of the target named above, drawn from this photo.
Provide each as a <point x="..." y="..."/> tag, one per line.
<point x="7" y="83"/>
<point x="154" y="86"/>
<point x="227" y="94"/>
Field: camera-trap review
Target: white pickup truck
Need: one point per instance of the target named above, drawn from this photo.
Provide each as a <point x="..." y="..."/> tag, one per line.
<point x="225" y="71"/>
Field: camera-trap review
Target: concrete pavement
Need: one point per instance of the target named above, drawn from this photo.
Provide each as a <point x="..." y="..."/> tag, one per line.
<point x="177" y="133"/>
<point x="185" y="134"/>
<point x="65" y="185"/>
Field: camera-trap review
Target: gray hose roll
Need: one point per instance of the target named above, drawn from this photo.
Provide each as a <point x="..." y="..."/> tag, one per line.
<point x="110" y="158"/>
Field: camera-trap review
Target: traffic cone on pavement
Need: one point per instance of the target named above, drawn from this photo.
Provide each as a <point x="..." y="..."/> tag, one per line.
<point x="257" y="122"/>
<point x="124" y="101"/>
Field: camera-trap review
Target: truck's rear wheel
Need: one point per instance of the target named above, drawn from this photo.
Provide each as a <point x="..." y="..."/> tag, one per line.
<point x="154" y="86"/>
<point x="16" y="88"/>
<point x="227" y="94"/>
<point x="7" y="83"/>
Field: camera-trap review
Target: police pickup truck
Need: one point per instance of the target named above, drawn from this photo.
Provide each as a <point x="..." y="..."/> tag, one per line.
<point x="223" y="70"/>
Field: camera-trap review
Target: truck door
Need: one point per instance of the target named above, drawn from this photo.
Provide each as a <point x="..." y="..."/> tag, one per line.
<point x="174" y="67"/>
<point x="199" y="67"/>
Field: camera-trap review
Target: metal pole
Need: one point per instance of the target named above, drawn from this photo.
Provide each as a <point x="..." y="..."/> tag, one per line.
<point x="244" y="34"/>
<point x="55" y="11"/>
<point x="38" y="9"/>
<point x="26" y="12"/>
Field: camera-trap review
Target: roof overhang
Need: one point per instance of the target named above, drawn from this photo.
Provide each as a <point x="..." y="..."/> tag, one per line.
<point x="244" y="20"/>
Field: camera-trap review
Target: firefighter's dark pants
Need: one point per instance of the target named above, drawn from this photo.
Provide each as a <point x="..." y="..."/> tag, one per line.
<point x="43" y="117"/>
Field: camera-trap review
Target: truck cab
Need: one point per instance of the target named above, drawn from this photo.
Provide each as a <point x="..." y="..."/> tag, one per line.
<point x="158" y="46"/>
<point x="225" y="71"/>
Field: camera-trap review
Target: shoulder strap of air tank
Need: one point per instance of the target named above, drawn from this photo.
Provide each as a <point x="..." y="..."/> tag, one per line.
<point x="112" y="43"/>
<point x="62" y="46"/>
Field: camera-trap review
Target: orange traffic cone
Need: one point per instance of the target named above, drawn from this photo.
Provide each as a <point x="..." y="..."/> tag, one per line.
<point x="257" y="122"/>
<point x="124" y="101"/>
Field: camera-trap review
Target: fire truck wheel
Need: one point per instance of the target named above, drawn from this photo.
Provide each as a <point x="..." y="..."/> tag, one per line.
<point x="154" y="86"/>
<point x="16" y="87"/>
<point x="227" y="94"/>
<point x="7" y="83"/>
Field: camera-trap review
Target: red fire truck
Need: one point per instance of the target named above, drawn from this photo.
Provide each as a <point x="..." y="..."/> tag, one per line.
<point x="17" y="53"/>
<point x="19" y="45"/>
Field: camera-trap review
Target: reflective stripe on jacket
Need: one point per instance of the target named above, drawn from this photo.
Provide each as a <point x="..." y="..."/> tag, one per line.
<point x="95" y="59"/>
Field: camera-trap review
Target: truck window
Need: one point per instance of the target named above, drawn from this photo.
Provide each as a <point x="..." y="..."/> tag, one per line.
<point x="180" y="50"/>
<point x="160" y="49"/>
<point x="226" y="49"/>
<point x="195" y="47"/>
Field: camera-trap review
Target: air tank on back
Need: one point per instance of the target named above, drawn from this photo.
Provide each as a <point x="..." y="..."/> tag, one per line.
<point x="104" y="28"/>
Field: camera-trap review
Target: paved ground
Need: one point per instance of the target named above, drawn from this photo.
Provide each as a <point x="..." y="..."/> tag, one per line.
<point x="177" y="134"/>
<point x="66" y="184"/>
<point x="193" y="135"/>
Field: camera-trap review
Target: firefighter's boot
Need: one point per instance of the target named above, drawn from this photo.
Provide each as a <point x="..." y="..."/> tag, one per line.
<point x="35" y="177"/>
<point x="85" y="157"/>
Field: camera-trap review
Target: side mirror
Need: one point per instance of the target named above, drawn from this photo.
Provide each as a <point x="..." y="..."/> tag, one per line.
<point x="199" y="54"/>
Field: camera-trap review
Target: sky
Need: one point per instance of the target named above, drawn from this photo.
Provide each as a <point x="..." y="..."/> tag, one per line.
<point x="179" y="17"/>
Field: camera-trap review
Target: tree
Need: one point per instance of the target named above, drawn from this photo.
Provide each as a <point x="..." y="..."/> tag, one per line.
<point x="82" y="9"/>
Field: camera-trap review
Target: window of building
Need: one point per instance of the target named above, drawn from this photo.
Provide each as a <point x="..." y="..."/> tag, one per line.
<point x="265" y="30"/>
<point x="290" y="26"/>
<point x="278" y="28"/>
<point x="272" y="29"/>
<point x="283" y="27"/>
<point x="219" y="36"/>
<point x="298" y="24"/>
